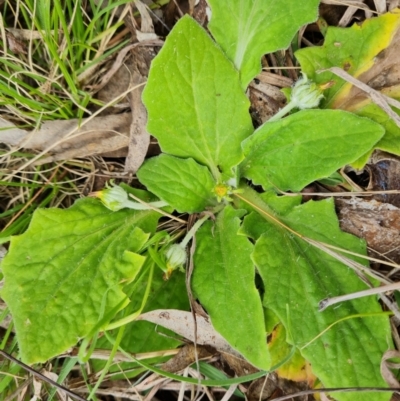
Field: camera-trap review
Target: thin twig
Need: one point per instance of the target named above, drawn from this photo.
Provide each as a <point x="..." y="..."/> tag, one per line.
<point x="377" y="97"/>
<point x="347" y="297"/>
<point x="41" y="376"/>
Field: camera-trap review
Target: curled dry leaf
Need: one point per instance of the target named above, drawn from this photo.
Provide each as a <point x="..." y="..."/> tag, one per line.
<point x="139" y="139"/>
<point x="181" y="322"/>
<point x="185" y="357"/>
<point x="146" y="27"/>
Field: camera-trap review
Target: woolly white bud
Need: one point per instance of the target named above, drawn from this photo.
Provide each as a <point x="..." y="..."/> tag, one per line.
<point x="306" y="94"/>
<point x="176" y="256"/>
<point x="116" y="198"/>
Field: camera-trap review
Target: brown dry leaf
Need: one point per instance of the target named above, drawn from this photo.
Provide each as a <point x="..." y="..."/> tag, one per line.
<point x="107" y="135"/>
<point x="181" y="322"/>
<point x="265" y="99"/>
<point x="139" y="138"/>
<point x="265" y="95"/>
<point x="133" y="72"/>
<point x="120" y="78"/>
<point x="262" y="388"/>
<point x="15" y="45"/>
<point x="199" y="12"/>
<point x="385" y="176"/>
<point x="186" y="356"/>
<point x="378" y="223"/>
<point x="273" y="387"/>
<point x="146" y="27"/>
<point x="239" y="365"/>
<point x="98" y="135"/>
<point x="28" y="34"/>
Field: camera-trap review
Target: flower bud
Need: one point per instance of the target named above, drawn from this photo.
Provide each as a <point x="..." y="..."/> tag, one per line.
<point x="176" y="256"/>
<point x="114" y="198"/>
<point x="306" y="94"/>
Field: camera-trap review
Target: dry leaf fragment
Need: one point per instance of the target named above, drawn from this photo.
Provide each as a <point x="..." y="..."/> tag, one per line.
<point x="146" y="28"/>
<point x="186" y="357"/>
<point x="98" y="135"/>
<point x="385" y="176"/>
<point x="378" y="223"/>
<point x="15" y="45"/>
<point x="139" y="139"/>
<point x="181" y="322"/>
<point x="387" y="374"/>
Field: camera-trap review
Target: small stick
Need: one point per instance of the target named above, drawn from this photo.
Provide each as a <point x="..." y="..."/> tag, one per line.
<point x="377" y="97"/>
<point x="372" y="291"/>
<point x="42" y="377"/>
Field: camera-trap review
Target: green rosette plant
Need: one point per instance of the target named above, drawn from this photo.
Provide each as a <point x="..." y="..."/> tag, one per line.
<point x="87" y="259"/>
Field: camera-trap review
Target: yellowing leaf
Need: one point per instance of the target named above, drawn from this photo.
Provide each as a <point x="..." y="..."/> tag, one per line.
<point x="369" y="52"/>
<point x="297" y="369"/>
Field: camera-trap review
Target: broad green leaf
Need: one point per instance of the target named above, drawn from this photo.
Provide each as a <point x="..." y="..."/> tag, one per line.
<point x="306" y="146"/>
<point x="67" y="271"/>
<point x="223" y="280"/>
<point x="195" y="103"/>
<point x="390" y="141"/>
<point x="183" y="183"/>
<point x="165" y="294"/>
<point x="248" y="29"/>
<point x="297" y="276"/>
<point x="142" y="336"/>
<point x="369" y="52"/>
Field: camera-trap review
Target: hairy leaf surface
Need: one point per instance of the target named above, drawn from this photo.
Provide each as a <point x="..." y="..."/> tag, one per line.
<point x="76" y="262"/>
<point x="297" y="276"/>
<point x="195" y="103"/>
<point x="183" y="183"/>
<point x="306" y="146"/>
<point x="223" y="280"/>
<point x="248" y="29"/>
